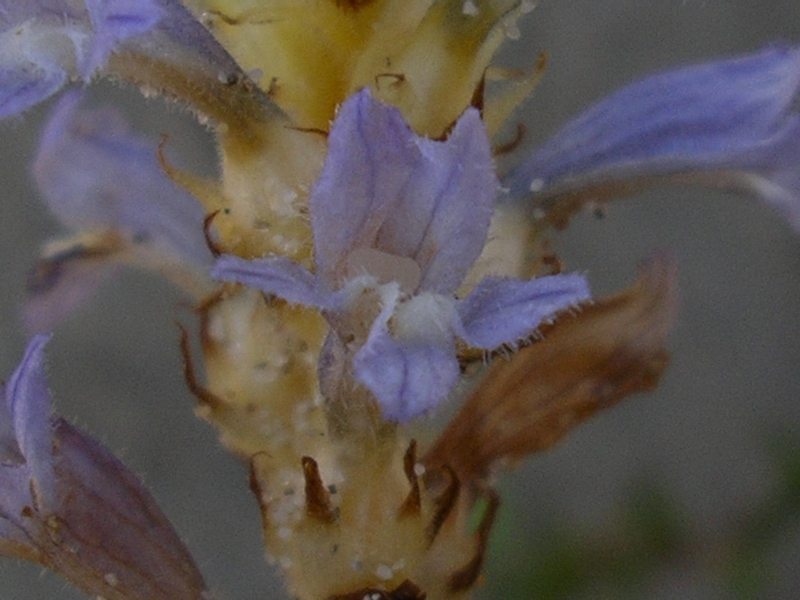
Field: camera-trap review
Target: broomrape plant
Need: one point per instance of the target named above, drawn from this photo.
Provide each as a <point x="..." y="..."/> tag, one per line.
<point x="353" y="267"/>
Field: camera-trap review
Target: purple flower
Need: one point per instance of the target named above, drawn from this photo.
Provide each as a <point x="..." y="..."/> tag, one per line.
<point x="155" y="43"/>
<point x="67" y="503"/>
<point x="46" y="42"/>
<point x="97" y="177"/>
<point x="727" y="124"/>
<point x="398" y="221"/>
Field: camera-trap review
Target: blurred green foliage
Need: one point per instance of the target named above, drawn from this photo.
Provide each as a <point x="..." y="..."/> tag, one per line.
<point x="649" y="536"/>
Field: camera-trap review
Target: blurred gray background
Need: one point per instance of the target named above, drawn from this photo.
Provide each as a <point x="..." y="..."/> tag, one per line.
<point x="733" y="384"/>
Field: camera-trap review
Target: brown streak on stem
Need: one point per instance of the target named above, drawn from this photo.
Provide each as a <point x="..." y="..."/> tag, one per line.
<point x="412" y="505"/>
<point x="445" y="502"/>
<point x="395" y="79"/>
<point x="255" y="487"/>
<point x="512" y="145"/>
<point x="314" y="130"/>
<point x="408" y="590"/>
<point x="318" y="500"/>
<point x="478" y="95"/>
<point x="212" y="245"/>
<point x="203" y="395"/>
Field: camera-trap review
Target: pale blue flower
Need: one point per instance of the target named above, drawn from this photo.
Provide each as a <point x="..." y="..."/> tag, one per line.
<point x="398" y="220"/>
<point x="96" y="175"/>
<point x="730" y="123"/>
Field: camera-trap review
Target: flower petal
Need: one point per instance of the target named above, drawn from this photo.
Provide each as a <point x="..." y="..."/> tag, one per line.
<point x="114" y="21"/>
<point x="95" y="174"/>
<point x="451" y="198"/>
<point x="729" y="115"/>
<point x="370" y="159"/>
<point x="383" y="187"/>
<point x="112" y="539"/>
<point x="407" y="379"/>
<point x="279" y="276"/>
<point x="502" y="311"/>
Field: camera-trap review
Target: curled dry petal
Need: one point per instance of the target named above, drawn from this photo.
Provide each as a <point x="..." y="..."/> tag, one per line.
<point x="68" y="504"/>
<point x="585" y="363"/>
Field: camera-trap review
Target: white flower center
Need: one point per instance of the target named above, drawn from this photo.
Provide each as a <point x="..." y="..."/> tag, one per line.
<point x="427" y="318"/>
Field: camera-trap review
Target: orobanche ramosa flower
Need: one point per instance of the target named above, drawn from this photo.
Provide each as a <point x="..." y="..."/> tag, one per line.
<point x="370" y="252"/>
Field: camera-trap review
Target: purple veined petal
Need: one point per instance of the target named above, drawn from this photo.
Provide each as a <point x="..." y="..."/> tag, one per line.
<point x="93" y="173"/>
<point x="115" y="21"/>
<point x="28" y="401"/>
<point x="502" y="311"/>
<point x="278" y="276"/>
<point x="441" y="218"/>
<point x="407" y="379"/>
<point x="371" y="154"/>
<point x="21" y="87"/>
<point x="728" y="114"/>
